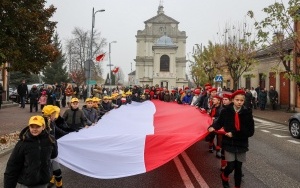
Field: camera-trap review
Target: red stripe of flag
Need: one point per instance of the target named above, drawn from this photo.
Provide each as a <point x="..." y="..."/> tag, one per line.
<point x="176" y="127"/>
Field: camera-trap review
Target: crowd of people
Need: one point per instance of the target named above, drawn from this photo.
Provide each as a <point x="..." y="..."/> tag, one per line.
<point x="231" y="112"/>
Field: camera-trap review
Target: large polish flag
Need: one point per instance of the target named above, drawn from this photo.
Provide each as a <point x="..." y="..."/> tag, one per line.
<point x="133" y="139"/>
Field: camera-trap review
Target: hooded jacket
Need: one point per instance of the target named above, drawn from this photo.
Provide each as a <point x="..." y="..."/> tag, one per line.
<point x="29" y="163"/>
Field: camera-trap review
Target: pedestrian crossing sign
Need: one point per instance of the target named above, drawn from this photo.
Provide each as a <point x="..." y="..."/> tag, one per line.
<point x="219" y="78"/>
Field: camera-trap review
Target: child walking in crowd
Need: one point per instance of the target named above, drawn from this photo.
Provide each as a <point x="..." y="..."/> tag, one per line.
<point x="29" y="164"/>
<point x="74" y="116"/>
<point x="43" y="99"/>
<point x="55" y="128"/>
<point x="215" y="113"/>
<point x="238" y="124"/>
<point x="226" y="101"/>
<point x="90" y="113"/>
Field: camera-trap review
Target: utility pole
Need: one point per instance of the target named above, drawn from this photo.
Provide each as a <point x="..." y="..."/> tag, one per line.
<point x="91" y="51"/>
<point x="110" y="65"/>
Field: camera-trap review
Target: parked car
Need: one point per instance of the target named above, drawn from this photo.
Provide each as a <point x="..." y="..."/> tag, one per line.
<point x="294" y="125"/>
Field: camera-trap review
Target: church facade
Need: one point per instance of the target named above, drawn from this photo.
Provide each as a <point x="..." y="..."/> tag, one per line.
<point x="161" y="53"/>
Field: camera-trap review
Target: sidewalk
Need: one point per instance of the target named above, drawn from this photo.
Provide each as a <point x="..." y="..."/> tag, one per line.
<point x="12" y="120"/>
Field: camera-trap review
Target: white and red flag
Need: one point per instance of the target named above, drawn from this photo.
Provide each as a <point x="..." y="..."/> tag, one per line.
<point x="133" y="139"/>
<point x="100" y="57"/>
<point x="115" y="70"/>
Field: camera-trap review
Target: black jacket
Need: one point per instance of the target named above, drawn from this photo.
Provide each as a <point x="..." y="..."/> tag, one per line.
<point x="22" y="89"/>
<point x="238" y="143"/>
<point x="75" y="119"/>
<point x="29" y="163"/>
<point x="33" y="95"/>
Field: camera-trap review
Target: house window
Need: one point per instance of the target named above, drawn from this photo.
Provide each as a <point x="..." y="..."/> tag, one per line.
<point x="262" y="80"/>
<point x="164" y="63"/>
<point x="248" y="82"/>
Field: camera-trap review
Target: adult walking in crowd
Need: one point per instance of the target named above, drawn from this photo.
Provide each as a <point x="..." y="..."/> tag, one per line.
<point x="33" y="98"/>
<point x="22" y="91"/>
<point x="254" y="97"/>
<point x="273" y="96"/>
<point x="63" y="98"/>
<point x="1" y="91"/>
<point x="248" y="99"/>
<point x="69" y="92"/>
<point x="262" y="98"/>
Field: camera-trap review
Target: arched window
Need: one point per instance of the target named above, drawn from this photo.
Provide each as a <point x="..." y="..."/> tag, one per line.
<point x="164" y="63"/>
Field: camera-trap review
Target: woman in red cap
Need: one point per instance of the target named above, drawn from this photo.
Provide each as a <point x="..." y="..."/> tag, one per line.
<point x="238" y="125"/>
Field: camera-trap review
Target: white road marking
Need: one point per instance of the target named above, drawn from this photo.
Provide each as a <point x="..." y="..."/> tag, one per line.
<point x="280" y="136"/>
<point x="265" y="131"/>
<point x="194" y="170"/>
<point x="294" y="141"/>
<point x="184" y="176"/>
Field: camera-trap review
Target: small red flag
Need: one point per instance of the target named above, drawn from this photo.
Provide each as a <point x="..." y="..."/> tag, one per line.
<point x="115" y="71"/>
<point x="100" y="57"/>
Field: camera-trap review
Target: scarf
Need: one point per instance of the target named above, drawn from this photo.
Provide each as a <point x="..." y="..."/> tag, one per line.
<point x="237" y="121"/>
<point x="213" y="112"/>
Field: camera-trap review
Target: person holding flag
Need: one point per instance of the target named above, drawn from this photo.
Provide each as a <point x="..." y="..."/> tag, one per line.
<point x="238" y="124"/>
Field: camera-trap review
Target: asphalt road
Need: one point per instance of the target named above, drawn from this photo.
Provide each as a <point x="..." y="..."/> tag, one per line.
<point x="273" y="161"/>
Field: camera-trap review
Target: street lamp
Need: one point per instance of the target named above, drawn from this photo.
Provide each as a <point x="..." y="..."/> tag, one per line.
<point x="110" y="65"/>
<point x="91" y="49"/>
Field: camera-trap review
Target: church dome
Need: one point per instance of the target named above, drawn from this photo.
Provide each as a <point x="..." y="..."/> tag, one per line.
<point x="164" y="41"/>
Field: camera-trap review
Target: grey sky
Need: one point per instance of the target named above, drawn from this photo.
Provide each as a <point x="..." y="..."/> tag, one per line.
<point x="201" y="19"/>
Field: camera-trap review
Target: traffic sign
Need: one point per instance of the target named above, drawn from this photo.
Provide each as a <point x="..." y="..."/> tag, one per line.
<point x="219" y="78"/>
<point x="92" y="82"/>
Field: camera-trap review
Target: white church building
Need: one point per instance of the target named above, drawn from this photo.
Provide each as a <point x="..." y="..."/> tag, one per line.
<point x="161" y="53"/>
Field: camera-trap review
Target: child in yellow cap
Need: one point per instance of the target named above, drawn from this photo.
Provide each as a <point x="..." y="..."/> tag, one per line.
<point x="31" y="154"/>
<point x="90" y="113"/>
<point x="74" y="116"/>
<point x="51" y="116"/>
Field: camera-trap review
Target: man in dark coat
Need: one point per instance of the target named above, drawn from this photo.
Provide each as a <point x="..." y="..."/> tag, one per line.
<point x="22" y="92"/>
<point x="273" y="96"/>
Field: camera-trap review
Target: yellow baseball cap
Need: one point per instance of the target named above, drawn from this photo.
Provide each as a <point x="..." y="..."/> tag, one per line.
<point x="105" y="97"/>
<point x="74" y="100"/>
<point x="95" y="99"/>
<point x="48" y="110"/>
<point x="57" y="110"/>
<point x="88" y="100"/>
<point x="37" y="120"/>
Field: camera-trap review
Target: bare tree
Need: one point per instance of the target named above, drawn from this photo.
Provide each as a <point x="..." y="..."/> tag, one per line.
<point x="238" y="51"/>
<point x="78" y="51"/>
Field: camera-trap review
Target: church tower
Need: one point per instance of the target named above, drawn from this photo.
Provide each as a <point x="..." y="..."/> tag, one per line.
<point x="161" y="50"/>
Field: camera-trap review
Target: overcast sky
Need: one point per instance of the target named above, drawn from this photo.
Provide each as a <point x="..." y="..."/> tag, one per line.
<point x="201" y="19"/>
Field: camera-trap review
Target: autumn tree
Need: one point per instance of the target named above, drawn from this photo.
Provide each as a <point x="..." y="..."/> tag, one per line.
<point x="56" y="72"/>
<point x="206" y="62"/>
<point x="280" y="25"/>
<point x="26" y="33"/>
<point x="78" y="52"/>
